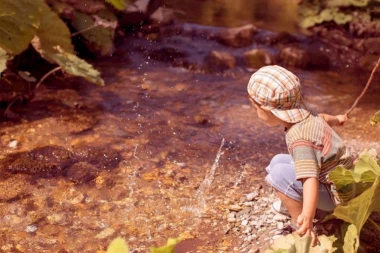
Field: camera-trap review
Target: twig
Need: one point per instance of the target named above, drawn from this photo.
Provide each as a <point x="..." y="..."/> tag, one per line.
<point x="11" y="103"/>
<point x="46" y="76"/>
<point x="365" y="88"/>
<point x="84" y="30"/>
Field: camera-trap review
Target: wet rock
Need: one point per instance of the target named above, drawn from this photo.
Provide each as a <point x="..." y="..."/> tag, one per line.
<point x="138" y="12"/>
<point x="201" y="119"/>
<point x="99" y="157"/>
<point x="46" y="161"/>
<point x="237" y="37"/>
<point x="337" y="37"/>
<point x="257" y="58"/>
<point x="220" y="61"/>
<point x="14" y="187"/>
<point x="372" y="45"/>
<point x="89" y="6"/>
<point x="82" y="172"/>
<point x="163" y="16"/>
<point x="167" y="54"/>
<point x="295" y="57"/>
<point x="368" y="62"/>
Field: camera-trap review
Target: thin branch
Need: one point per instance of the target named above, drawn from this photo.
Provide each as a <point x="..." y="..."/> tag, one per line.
<point x="365" y="89"/>
<point x="47" y="75"/>
<point x="11" y="103"/>
<point x="84" y="30"/>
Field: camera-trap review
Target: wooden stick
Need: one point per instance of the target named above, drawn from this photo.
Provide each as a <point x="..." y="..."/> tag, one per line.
<point x="365" y="88"/>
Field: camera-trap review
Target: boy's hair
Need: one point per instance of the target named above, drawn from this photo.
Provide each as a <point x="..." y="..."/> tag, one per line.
<point x="278" y="90"/>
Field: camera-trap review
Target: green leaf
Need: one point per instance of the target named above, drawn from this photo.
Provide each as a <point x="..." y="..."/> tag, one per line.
<point x="118" y="245"/>
<point x="357" y="210"/>
<point x="19" y="21"/>
<point x="351" y="240"/>
<point x="325" y="244"/>
<point x="4" y="57"/>
<point x="375" y="120"/>
<point x="168" y="248"/>
<point x="98" y="39"/>
<point x="76" y="66"/>
<point x="51" y="32"/>
<point x="118" y="4"/>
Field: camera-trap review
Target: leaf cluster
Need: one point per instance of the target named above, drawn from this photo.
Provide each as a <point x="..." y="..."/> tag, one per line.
<point x="119" y="245"/>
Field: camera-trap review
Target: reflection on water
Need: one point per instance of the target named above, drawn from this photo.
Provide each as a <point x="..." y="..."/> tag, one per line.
<point x="276" y="15"/>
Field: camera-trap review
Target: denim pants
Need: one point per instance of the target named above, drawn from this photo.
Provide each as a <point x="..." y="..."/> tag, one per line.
<point x="281" y="176"/>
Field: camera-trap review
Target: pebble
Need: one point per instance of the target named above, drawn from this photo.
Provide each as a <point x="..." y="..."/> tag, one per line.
<point x="231" y="215"/>
<point x="31" y="229"/>
<point x="13" y="144"/>
<point x="105" y="233"/>
<point x="235" y="208"/>
<point x="251" y="196"/>
<point x="280" y="225"/>
<point x="231" y="220"/>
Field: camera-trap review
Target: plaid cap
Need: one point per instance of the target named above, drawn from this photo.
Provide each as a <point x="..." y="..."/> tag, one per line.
<point x="278" y="90"/>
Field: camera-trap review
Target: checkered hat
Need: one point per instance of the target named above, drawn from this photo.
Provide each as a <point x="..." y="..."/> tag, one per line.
<point x="278" y="90"/>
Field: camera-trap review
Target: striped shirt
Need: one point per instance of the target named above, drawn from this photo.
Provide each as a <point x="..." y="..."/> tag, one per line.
<point x="316" y="150"/>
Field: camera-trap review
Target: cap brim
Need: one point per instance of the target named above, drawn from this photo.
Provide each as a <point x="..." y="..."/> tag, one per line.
<point x="293" y="115"/>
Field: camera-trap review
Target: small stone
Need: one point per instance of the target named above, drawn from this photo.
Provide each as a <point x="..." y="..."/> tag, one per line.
<point x="244" y="223"/>
<point x="248" y="203"/>
<point x="105" y="233"/>
<point x="231" y="220"/>
<point x="280" y="217"/>
<point x="236" y="208"/>
<point x="13" y="144"/>
<point x="231" y="215"/>
<point x="31" y="228"/>
<point x="280" y="225"/>
<point x="251" y="196"/>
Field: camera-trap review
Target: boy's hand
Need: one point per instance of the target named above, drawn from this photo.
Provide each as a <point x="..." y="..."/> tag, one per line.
<point x="341" y="119"/>
<point x="305" y="224"/>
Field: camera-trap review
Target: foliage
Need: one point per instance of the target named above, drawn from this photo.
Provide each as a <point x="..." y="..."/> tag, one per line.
<point x="375" y="120"/>
<point x="23" y="22"/>
<point x="76" y="66"/>
<point x="19" y="21"/>
<point x="51" y="32"/>
<point x="98" y="38"/>
<point x="360" y="14"/>
<point x="3" y="60"/>
<point x="294" y="243"/>
<point x="119" y="245"/>
<point x="118" y="4"/>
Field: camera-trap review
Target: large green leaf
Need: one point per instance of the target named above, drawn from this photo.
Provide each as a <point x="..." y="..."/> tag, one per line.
<point x="4" y="57"/>
<point x="357" y="210"/>
<point x="76" y="66"/>
<point x="51" y="32"/>
<point x="375" y="120"/>
<point x="98" y="39"/>
<point x="118" y="245"/>
<point x="351" y="240"/>
<point x="293" y="243"/>
<point x="19" y="20"/>
<point x="168" y="248"/>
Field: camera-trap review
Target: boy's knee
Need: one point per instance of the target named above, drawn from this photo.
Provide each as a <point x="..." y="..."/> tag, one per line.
<point x="280" y="158"/>
<point x="275" y="175"/>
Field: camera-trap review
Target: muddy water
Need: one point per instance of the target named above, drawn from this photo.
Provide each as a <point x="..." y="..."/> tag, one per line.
<point x="165" y="151"/>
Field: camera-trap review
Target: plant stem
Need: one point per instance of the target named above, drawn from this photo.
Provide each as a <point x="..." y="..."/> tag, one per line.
<point x="46" y="76"/>
<point x="84" y="30"/>
<point x="365" y="88"/>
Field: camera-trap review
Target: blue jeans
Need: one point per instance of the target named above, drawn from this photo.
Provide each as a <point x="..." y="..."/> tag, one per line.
<point x="281" y="176"/>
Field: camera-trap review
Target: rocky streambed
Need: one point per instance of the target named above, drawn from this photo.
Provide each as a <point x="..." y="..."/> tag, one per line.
<point x="170" y="146"/>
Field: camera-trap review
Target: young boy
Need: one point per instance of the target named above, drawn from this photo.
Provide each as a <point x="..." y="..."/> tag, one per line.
<point x="301" y="178"/>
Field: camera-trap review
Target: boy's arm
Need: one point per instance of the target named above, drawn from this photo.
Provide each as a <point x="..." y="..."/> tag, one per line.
<point x="337" y="120"/>
<point x="310" y="199"/>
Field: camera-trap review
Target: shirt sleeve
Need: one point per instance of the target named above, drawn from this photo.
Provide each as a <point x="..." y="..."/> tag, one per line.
<point x="305" y="156"/>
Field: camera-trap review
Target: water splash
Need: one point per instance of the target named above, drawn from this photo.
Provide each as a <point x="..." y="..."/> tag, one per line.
<point x="205" y="185"/>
